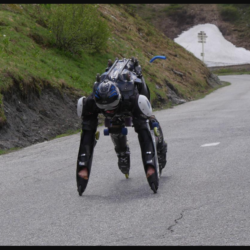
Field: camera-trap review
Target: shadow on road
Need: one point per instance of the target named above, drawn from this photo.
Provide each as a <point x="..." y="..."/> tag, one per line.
<point x="129" y="189"/>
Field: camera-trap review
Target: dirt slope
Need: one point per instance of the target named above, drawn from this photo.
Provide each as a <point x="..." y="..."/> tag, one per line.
<point x="179" y="79"/>
<point x="191" y="15"/>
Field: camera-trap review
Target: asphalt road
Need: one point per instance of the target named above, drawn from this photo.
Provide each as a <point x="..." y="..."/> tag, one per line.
<point x="203" y="197"/>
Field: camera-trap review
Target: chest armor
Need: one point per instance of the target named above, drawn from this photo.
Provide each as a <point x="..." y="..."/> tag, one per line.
<point x="121" y="73"/>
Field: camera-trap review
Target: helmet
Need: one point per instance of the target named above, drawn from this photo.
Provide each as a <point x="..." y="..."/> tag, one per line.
<point x="107" y="95"/>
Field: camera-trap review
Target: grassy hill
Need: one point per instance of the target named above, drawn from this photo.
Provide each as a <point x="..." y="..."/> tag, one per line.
<point x="172" y="19"/>
<point x="30" y="62"/>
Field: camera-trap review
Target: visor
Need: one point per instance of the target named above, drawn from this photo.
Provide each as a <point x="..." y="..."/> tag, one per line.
<point x="109" y="106"/>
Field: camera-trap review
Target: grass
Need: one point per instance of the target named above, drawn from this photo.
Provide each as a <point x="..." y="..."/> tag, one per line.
<point x="29" y="59"/>
<point x="7" y="151"/>
<point x="222" y="72"/>
<point x="209" y="91"/>
<point x="69" y="132"/>
<point x="26" y="51"/>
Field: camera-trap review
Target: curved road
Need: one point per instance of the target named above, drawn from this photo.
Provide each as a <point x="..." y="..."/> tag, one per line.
<point x="203" y="197"/>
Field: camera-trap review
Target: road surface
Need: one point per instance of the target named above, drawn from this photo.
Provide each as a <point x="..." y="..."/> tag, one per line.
<point x="203" y="197"/>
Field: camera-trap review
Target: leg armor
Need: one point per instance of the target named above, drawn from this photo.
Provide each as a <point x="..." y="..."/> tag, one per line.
<point x="161" y="145"/>
<point x="86" y="150"/>
<point x="122" y="151"/>
<point x="148" y="149"/>
<point x="143" y="88"/>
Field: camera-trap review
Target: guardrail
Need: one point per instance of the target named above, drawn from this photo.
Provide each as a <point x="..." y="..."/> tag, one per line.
<point x="236" y="67"/>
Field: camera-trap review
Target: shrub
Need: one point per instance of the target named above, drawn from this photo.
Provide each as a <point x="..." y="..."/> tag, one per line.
<point x="229" y="13"/>
<point x="78" y="27"/>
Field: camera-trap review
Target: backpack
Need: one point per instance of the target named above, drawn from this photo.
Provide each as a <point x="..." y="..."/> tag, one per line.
<point x="126" y="73"/>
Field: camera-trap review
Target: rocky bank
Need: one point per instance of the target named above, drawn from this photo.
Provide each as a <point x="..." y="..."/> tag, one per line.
<point x="37" y="118"/>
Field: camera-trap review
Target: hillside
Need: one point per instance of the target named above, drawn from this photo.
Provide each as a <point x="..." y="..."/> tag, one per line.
<point x="172" y="19"/>
<point x="40" y="85"/>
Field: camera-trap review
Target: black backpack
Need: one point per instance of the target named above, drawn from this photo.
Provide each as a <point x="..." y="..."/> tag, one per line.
<point x="126" y="73"/>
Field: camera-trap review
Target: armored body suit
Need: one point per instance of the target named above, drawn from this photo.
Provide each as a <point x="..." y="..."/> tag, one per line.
<point x="135" y="97"/>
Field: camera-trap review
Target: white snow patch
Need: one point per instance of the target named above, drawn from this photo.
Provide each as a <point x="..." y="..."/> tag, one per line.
<point x="218" y="51"/>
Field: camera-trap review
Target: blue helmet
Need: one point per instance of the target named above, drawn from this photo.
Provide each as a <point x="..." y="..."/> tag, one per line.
<point x="107" y="95"/>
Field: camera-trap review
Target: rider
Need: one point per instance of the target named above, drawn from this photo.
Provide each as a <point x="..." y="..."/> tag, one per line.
<point x="121" y="89"/>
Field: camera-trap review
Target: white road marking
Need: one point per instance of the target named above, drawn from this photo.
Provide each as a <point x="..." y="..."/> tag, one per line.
<point x="210" y="144"/>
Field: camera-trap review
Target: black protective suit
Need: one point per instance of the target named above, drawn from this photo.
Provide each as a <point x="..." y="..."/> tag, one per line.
<point x="129" y="70"/>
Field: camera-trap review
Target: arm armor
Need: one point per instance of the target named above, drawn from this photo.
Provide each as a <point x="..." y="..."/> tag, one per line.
<point x="142" y="87"/>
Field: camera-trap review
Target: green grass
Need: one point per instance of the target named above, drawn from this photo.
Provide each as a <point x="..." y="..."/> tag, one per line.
<point x="229" y="12"/>
<point x="222" y="72"/>
<point x="7" y="151"/>
<point x="26" y="51"/>
<point x="30" y="60"/>
<point x="209" y="91"/>
<point x="69" y="132"/>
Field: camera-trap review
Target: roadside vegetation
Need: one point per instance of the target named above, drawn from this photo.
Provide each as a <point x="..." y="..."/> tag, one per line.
<point x="34" y="53"/>
<point x="235" y="13"/>
<point x="7" y="151"/>
<point x="239" y="16"/>
<point x="226" y="71"/>
<point x="64" y="47"/>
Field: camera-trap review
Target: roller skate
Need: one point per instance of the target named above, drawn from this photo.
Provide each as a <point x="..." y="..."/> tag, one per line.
<point x="83" y="166"/>
<point x="124" y="162"/>
<point x="162" y="157"/>
<point x="152" y="177"/>
<point x="83" y="172"/>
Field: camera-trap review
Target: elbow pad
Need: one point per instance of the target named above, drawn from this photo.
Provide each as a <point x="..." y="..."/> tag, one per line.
<point x="144" y="105"/>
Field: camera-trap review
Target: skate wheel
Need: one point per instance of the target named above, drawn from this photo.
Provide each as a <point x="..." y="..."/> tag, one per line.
<point x="156" y="131"/>
<point x="80" y="190"/>
<point x="124" y="131"/>
<point x="106" y="131"/>
<point x="153" y="188"/>
<point x="126" y="175"/>
<point x="155" y="124"/>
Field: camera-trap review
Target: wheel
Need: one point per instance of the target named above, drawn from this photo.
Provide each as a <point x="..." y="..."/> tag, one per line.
<point x="155" y="124"/>
<point x="124" y="131"/>
<point x="153" y="188"/>
<point x="80" y="190"/>
<point x="106" y="131"/>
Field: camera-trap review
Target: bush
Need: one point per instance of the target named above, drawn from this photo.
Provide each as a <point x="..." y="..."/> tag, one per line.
<point x="229" y="13"/>
<point x="78" y="27"/>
